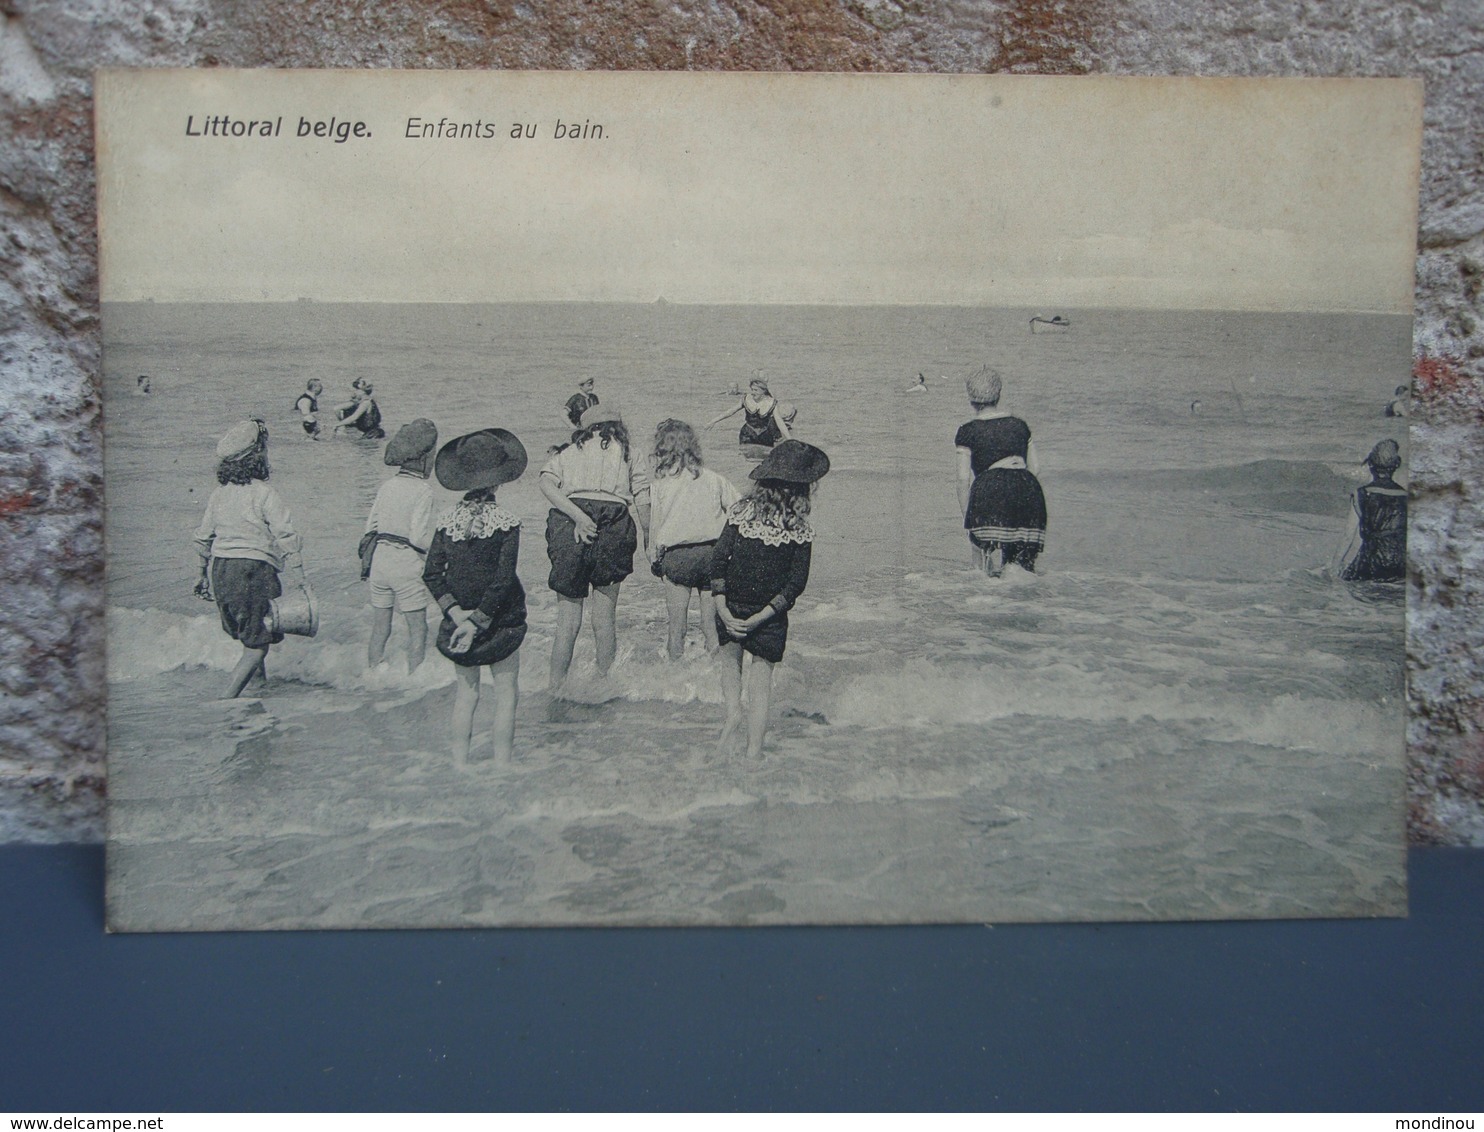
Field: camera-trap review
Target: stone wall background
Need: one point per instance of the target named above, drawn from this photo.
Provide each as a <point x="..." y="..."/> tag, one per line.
<point x="52" y="689"/>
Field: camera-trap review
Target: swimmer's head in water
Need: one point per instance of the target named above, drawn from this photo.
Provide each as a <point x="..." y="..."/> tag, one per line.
<point x="1385" y="458"/>
<point x="1401" y="391"/>
<point x="984" y="386"/>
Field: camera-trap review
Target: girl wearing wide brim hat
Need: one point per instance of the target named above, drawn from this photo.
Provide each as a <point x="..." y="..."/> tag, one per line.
<point x="399" y="531"/>
<point x="599" y="504"/>
<point x="246" y="538"/>
<point x="758" y="571"/>
<point x="471" y="574"/>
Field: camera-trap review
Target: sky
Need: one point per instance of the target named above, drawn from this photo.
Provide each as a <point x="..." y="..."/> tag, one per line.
<point x="1009" y="191"/>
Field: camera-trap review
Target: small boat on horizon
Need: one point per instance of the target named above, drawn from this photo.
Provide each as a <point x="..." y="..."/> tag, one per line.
<point x="1055" y="324"/>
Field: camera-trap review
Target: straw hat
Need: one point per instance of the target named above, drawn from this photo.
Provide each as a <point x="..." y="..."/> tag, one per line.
<point x="486" y="458"/>
<point x="793" y="461"/>
<point x="241" y="439"/>
<point x="413" y="441"/>
<point x="597" y="414"/>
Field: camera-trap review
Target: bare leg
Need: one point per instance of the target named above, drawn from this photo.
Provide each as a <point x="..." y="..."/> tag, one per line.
<point x="465" y="700"/>
<point x="381" y="629"/>
<point x="417" y="637"/>
<point x="677" y="609"/>
<point x="708" y="619"/>
<point x="563" y="638"/>
<point x="251" y="661"/>
<point x="759" y="698"/>
<point x="731" y="691"/>
<point x="605" y="625"/>
<point x="507" y="692"/>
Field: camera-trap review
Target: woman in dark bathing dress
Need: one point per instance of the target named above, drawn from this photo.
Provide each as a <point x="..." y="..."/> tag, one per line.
<point x="1381" y="521"/>
<point x="1001" y="499"/>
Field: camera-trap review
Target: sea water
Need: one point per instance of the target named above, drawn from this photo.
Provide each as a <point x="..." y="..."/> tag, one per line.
<point x="1185" y="644"/>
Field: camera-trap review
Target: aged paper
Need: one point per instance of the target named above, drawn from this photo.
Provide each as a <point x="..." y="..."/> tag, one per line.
<point x="1094" y="614"/>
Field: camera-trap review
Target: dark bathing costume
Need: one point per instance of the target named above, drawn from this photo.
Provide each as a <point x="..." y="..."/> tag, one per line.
<point x="747" y="574"/>
<point x="310" y="427"/>
<point x="606" y="560"/>
<point x="1382" y="507"/>
<point x="368" y="424"/>
<point x="1006" y="505"/>
<point x="244" y="589"/>
<point x="579" y="403"/>
<point x="760" y="428"/>
<point x="477" y="573"/>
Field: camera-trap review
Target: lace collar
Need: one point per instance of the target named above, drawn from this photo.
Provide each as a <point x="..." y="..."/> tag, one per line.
<point x="769" y="534"/>
<point x="476" y="520"/>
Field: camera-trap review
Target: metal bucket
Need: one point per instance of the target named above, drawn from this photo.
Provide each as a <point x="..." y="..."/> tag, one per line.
<point x="294" y="613"/>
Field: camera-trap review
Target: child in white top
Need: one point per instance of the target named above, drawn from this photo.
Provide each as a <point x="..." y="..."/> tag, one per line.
<point x="688" y="508"/>
<point x="596" y="494"/>
<point x="403" y="518"/>
<point x="245" y="539"/>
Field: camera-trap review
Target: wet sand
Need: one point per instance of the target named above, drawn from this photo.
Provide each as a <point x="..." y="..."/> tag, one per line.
<point x="216" y="821"/>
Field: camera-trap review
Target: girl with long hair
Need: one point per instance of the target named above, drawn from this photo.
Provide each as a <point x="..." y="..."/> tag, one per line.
<point x="688" y="509"/>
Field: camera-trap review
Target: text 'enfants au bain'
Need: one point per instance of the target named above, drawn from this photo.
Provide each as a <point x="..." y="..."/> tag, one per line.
<point x="341" y="130"/>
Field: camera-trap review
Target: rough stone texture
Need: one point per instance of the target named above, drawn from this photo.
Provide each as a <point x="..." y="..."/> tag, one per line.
<point x="51" y="638"/>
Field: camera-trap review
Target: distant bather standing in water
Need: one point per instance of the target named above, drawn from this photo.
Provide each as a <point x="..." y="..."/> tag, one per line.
<point x="764" y="423"/>
<point x="1381" y="521"/>
<point x="1003" y="506"/>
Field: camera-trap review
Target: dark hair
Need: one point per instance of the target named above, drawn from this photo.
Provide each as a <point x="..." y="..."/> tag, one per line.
<point x="607" y="432"/>
<point x="243" y="469"/>
<point x="779" y="503"/>
<point x="480" y="495"/>
<point x="676" y="449"/>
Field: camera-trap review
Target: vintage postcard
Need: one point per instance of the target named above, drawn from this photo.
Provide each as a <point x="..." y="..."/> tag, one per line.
<point x="620" y="499"/>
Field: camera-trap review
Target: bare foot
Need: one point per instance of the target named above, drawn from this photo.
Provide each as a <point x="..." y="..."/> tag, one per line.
<point x="727" y="743"/>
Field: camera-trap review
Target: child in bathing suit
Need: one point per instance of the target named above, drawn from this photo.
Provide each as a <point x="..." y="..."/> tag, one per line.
<point x="402" y="519"/>
<point x="471" y="574"/>
<point x="246" y="538"/>
<point x="688" y="508"/>
<point x="595" y="493"/>
<point x="758" y="570"/>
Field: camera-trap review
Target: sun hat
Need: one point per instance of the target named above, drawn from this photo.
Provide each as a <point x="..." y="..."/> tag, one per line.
<point x="241" y="439"/>
<point x="486" y="458"/>
<point x="1385" y="457"/>
<point x="793" y="461"/>
<point x="414" y="440"/>
<point x="597" y="414"/>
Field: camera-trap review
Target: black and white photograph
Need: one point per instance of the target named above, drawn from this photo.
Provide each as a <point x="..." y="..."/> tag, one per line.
<point x="681" y="499"/>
